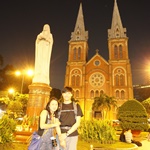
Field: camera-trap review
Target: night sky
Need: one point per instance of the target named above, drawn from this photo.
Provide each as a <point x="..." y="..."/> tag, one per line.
<point x="21" y="21"/>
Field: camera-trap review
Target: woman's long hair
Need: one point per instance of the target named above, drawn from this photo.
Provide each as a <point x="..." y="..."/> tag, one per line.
<point x="47" y="106"/>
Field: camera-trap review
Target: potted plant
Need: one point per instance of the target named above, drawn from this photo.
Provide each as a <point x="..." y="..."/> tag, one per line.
<point x="132" y="115"/>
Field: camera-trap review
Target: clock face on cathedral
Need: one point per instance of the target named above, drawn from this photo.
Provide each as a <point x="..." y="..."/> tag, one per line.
<point x="97" y="79"/>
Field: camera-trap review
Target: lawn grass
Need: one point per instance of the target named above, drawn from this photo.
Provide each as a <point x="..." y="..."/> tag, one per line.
<point x="86" y="146"/>
<point x="82" y="145"/>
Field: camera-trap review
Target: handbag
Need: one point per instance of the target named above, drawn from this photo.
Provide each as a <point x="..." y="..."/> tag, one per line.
<point x="35" y="140"/>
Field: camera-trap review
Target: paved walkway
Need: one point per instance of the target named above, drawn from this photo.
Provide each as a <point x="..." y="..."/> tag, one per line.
<point x="145" y="145"/>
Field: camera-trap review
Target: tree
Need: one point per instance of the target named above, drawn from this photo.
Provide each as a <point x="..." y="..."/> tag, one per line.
<point x="14" y="109"/>
<point x="146" y="104"/>
<point x="6" y="77"/>
<point x="15" y="106"/>
<point x="23" y="99"/>
<point x="104" y="103"/>
<point x="56" y="93"/>
<point x="4" y="101"/>
<point x="132" y="115"/>
<point x="9" y="79"/>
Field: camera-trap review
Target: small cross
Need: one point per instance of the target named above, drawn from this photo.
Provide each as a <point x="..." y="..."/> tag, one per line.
<point x="97" y="51"/>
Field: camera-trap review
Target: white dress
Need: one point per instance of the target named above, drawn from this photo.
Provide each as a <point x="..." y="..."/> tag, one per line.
<point x="44" y="43"/>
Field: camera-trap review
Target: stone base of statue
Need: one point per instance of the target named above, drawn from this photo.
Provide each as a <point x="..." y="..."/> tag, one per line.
<point x="39" y="94"/>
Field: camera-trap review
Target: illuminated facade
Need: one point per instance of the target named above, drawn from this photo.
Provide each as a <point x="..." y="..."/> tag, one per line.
<point x="90" y="78"/>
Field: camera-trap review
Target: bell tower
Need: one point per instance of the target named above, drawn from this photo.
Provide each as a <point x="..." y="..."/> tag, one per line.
<point x="119" y="63"/>
<point x="77" y="57"/>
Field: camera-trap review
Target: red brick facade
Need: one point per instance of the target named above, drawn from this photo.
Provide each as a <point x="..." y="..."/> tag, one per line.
<point x="90" y="78"/>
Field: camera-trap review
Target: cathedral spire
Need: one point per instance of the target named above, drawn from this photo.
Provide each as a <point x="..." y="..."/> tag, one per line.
<point x="117" y="30"/>
<point x="79" y="33"/>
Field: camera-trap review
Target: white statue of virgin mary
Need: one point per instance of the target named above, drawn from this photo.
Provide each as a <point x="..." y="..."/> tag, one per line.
<point x="43" y="49"/>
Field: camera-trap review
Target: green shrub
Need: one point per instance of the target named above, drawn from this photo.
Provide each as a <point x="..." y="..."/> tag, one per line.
<point x="132" y="115"/>
<point x="97" y="130"/>
<point x="146" y="104"/>
<point x="7" y="128"/>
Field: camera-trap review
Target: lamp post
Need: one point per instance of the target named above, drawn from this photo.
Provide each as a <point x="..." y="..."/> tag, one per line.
<point x="148" y="75"/>
<point x="23" y="73"/>
<point x="22" y="82"/>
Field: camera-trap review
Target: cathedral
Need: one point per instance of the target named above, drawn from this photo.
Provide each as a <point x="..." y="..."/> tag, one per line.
<point x="90" y="78"/>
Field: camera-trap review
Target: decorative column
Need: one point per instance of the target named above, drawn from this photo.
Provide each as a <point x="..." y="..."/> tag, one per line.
<point x="39" y="94"/>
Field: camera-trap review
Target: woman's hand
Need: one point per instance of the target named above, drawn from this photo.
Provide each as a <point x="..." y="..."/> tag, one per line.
<point x="63" y="143"/>
<point x="57" y="123"/>
<point x="63" y="136"/>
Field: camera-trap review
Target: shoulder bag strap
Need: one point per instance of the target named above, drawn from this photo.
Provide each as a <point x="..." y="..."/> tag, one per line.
<point x="45" y="131"/>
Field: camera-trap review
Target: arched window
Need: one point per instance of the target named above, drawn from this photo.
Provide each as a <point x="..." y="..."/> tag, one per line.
<point x="122" y="94"/>
<point x="119" y="77"/>
<point x="115" y="52"/>
<point x="76" y="77"/>
<point x="77" y="93"/>
<point x="120" y="51"/>
<point x="96" y="93"/>
<point x="101" y="92"/>
<point x="79" y="53"/>
<point x="73" y="80"/>
<point x="77" y="80"/>
<point x="92" y="94"/>
<point x="74" y="53"/>
<point x="117" y="80"/>
<point x="122" y="80"/>
<point x="117" y="94"/>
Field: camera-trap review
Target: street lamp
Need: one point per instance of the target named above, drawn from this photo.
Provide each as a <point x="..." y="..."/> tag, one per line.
<point x="23" y="73"/>
<point x="11" y="92"/>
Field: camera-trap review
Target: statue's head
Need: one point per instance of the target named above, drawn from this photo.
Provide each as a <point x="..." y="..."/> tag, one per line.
<point x="46" y="27"/>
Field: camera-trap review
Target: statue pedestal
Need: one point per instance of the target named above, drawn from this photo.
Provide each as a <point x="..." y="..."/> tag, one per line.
<point x="39" y="94"/>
